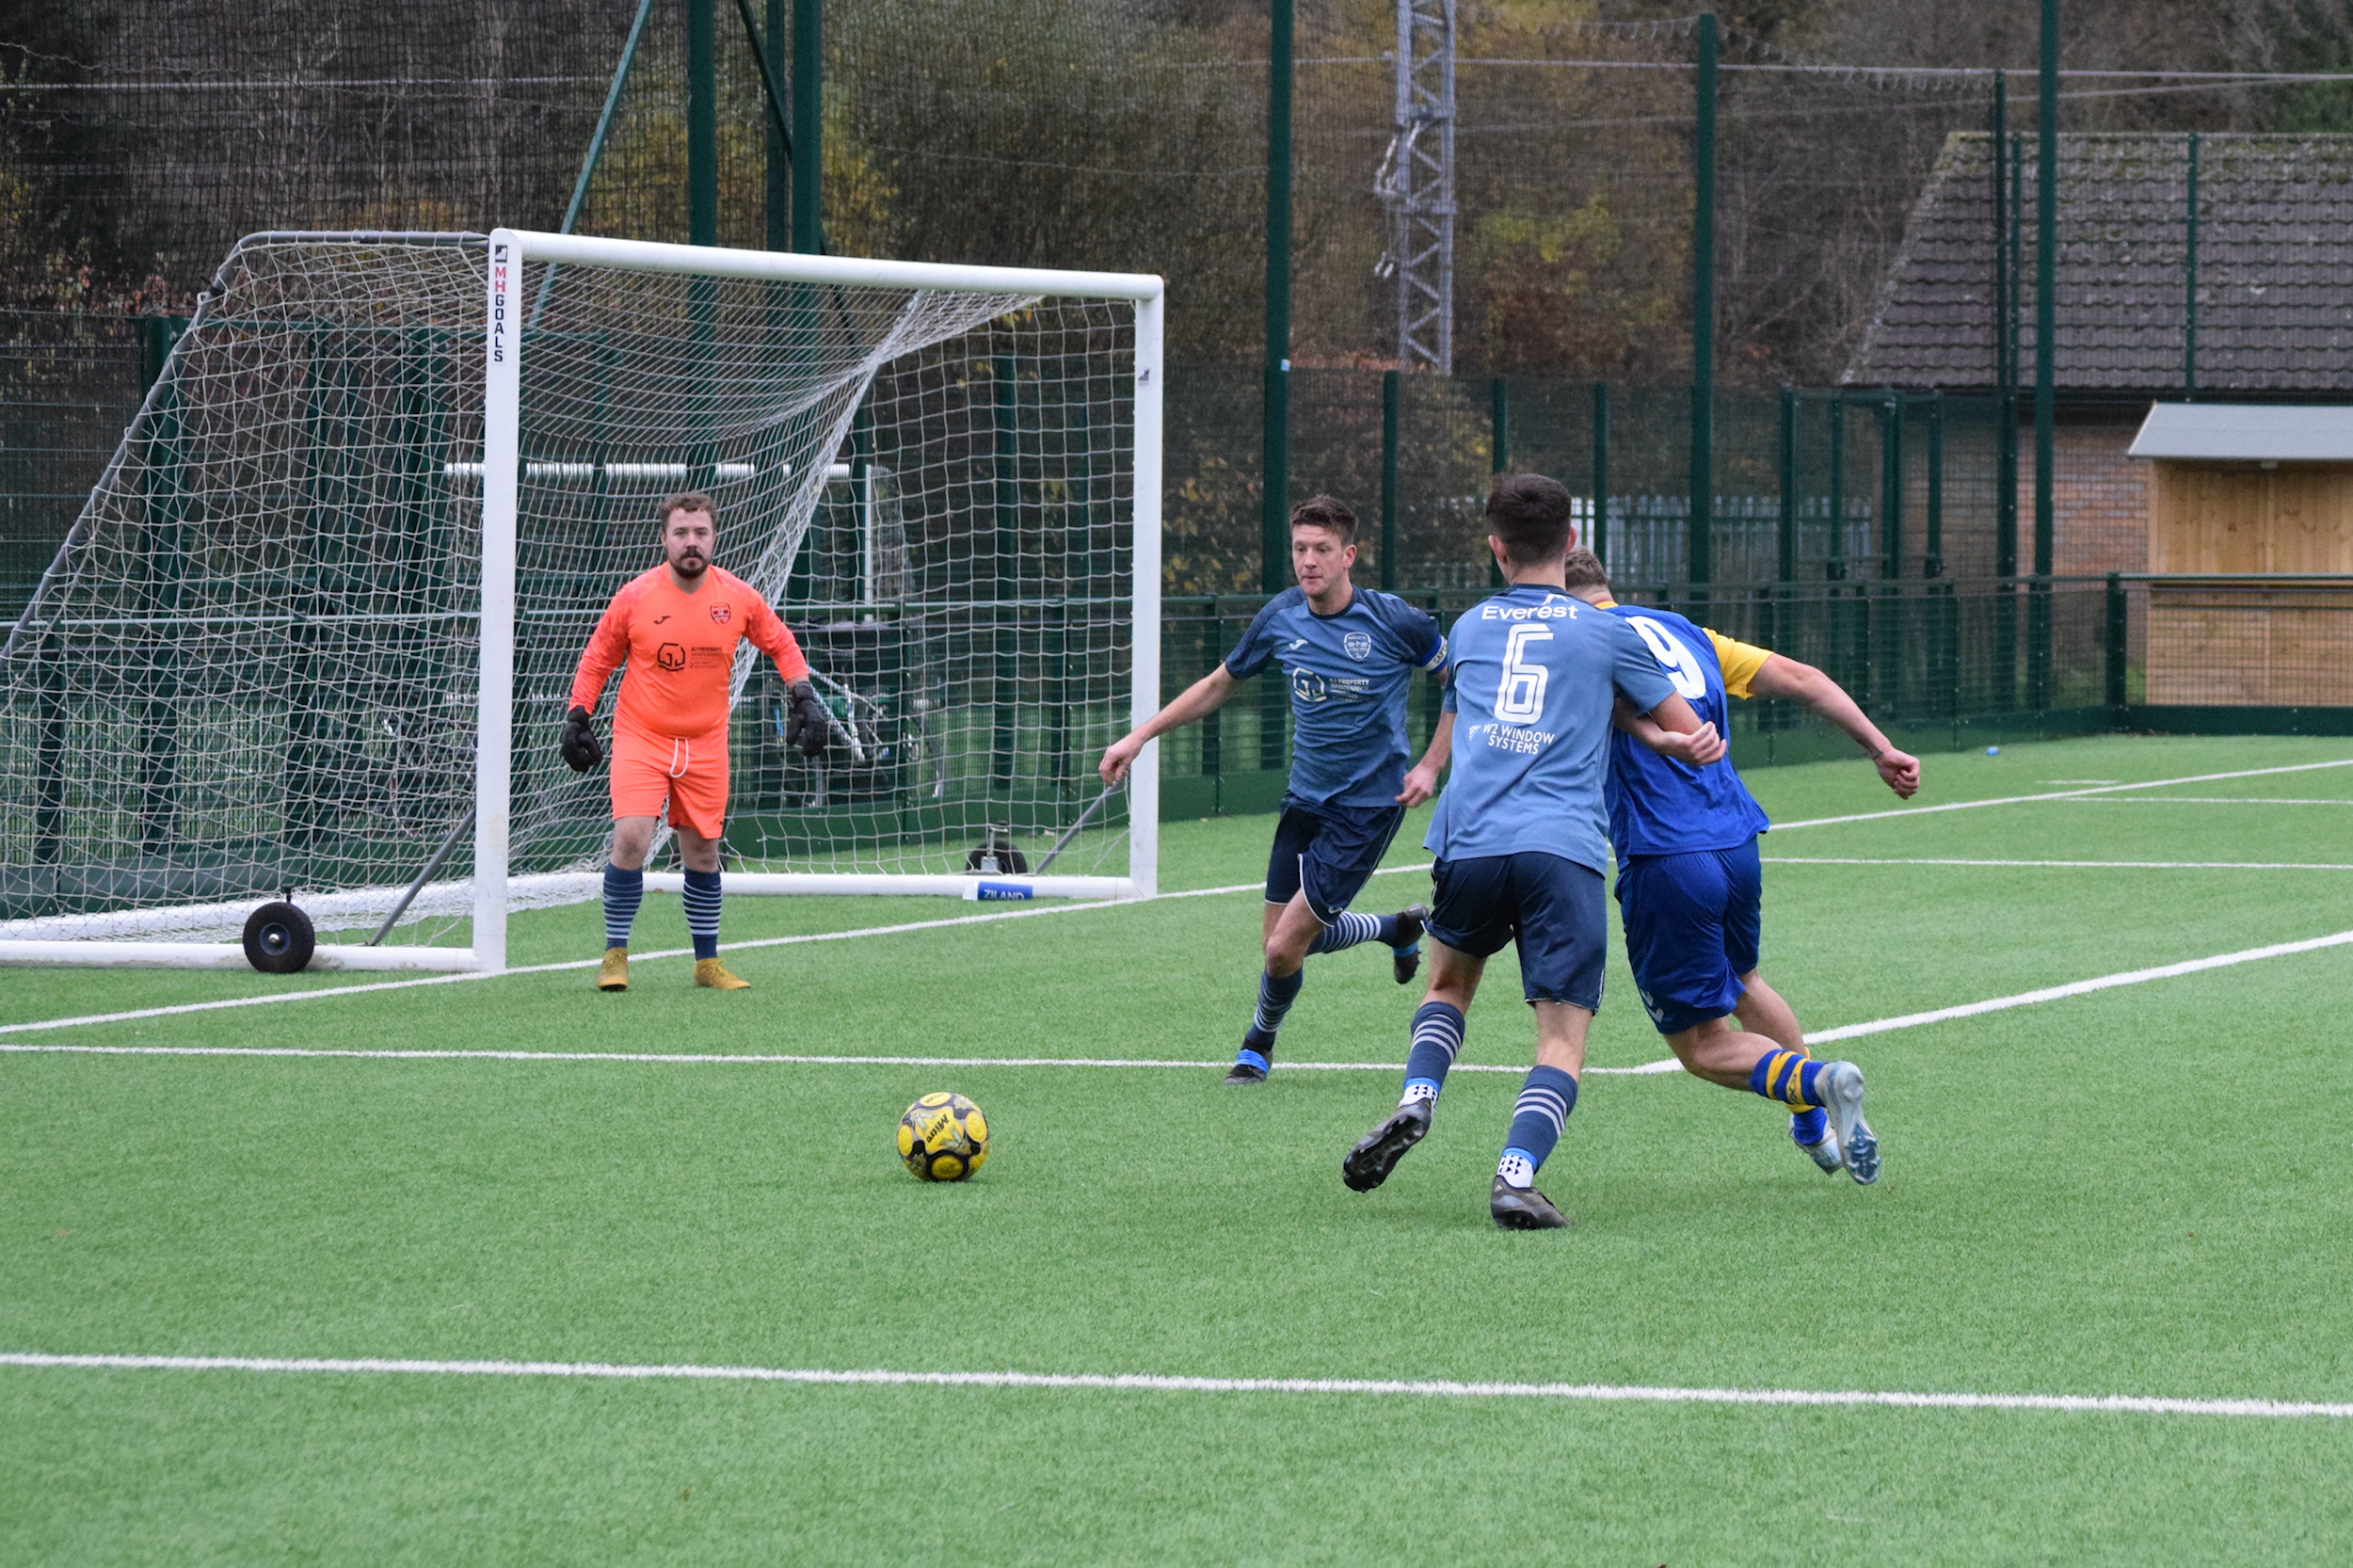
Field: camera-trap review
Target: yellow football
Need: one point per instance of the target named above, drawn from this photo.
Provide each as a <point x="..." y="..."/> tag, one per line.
<point x="943" y="1137"/>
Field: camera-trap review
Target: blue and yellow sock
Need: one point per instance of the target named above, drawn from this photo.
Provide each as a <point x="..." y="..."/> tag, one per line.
<point x="1810" y="1127"/>
<point x="1546" y="1097"/>
<point x="623" y="892"/>
<point x="1787" y="1075"/>
<point x="1437" y="1040"/>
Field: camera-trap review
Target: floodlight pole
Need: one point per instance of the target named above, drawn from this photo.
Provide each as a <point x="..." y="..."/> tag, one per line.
<point x="2046" y="383"/>
<point x="2190" y="280"/>
<point x="809" y="125"/>
<point x="779" y="202"/>
<point x="1275" y="500"/>
<point x="1275" y="510"/>
<point x="702" y="126"/>
<point x="1704" y="311"/>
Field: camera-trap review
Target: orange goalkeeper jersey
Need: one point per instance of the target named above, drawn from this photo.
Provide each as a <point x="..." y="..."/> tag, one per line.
<point x="680" y="648"/>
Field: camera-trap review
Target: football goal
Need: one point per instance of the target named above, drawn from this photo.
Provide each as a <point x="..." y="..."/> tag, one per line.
<point x="294" y="681"/>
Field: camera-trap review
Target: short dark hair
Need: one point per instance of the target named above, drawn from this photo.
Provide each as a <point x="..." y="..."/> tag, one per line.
<point x="1585" y="570"/>
<point x="686" y="500"/>
<point x="1529" y="512"/>
<point x="1322" y="511"/>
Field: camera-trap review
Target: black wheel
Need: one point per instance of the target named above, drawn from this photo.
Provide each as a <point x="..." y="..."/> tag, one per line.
<point x="279" y="938"/>
<point x="1009" y="861"/>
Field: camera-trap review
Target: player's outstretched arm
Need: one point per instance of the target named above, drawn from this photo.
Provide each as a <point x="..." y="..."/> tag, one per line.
<point x="1421" y="780"/>
<point x="1698" y="747"/>
<point x="1672" y="730"/>
<point x="1787" y="678"/>
<point x="1200" y="699"/>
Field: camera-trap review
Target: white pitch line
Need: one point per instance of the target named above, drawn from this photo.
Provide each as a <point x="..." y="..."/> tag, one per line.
<point x="2058" y="794"/>
<point x="134" y="1015"/>
<point x="690" y="1059"/>
<point x="2080" y="987"/>
<point x="1822" y="1036"/>
<point x="2109" y="864"/>
<point x="2082" y="1404"/>
<point x="2211" y="800"/>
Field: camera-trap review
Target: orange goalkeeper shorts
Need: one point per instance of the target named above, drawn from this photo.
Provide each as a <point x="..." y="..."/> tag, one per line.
<point x="689" y="773"/>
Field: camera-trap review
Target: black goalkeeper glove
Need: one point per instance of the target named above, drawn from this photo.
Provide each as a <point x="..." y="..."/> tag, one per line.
<point x="807" y="723"/>
<point x="579" y="745"/>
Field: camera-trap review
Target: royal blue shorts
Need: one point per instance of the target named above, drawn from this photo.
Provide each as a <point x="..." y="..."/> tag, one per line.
<point x="1327" y="852"/>
<point x="1551" y="906"/>
<point x="1692" y="928"/>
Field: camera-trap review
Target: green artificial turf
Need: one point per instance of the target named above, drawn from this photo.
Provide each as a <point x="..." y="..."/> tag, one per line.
<point x="2138" y="1190"/>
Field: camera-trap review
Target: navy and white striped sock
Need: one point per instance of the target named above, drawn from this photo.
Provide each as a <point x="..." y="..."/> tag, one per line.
<point x="1545" y="1100"/>
<point x="1437" y="1039"/>
<point x="1351" y="930"/>
<point x="701" y="898"/>
<point x="623" y="892"/>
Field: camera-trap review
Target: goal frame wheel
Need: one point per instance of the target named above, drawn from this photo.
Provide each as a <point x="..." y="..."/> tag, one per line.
<point x="279" y="938"/>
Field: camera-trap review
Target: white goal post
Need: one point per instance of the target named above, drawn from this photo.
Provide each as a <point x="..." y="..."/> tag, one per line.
<point x="314" y="630"/>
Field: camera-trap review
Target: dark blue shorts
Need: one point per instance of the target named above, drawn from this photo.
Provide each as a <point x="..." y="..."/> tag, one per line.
<point x="1551" y="906"/>
<point x="1692" y="928"/>
<point x="1327" y="852"/>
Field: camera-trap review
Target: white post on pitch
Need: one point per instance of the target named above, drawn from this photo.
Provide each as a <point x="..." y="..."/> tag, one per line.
<point x="502" y="453"/>
<point x="1144" y="780"/>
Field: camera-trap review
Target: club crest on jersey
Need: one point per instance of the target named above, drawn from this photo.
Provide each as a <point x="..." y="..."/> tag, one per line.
<point x="1359" y="645"/>
<point x="722" y="614"/>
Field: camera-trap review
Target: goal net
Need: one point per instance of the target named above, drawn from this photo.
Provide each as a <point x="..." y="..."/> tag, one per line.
<point x="314" y="634"/>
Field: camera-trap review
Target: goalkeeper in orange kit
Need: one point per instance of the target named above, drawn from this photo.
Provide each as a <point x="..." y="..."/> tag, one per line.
<point x="677" y="627"/>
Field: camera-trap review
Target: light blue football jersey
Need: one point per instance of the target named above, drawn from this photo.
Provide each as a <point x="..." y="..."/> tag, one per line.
<point x="1658" y="806"/>
<point x="1533" y="675"/>
<point x="1349" y="675"/>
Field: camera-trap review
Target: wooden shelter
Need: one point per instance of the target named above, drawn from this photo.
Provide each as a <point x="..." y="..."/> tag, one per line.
<point x="2239" y="491"/>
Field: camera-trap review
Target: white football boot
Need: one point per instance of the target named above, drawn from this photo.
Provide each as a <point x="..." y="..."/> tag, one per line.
<point x="1839" y="1085"/>
<point x="1826" y="1155"/>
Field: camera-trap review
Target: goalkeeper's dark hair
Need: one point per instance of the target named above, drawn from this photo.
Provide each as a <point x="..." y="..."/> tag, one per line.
<point x="686" y="500"/>
<point x="1529" y="512"/>
<point x="1585" y="570"/>
<point x="1323" y="511"/>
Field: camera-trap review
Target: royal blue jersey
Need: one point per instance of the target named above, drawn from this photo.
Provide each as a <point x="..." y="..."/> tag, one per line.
<point x="1348" y="676"/>
<point x="1532" y="677"/>
<point x="1658" y="806"/>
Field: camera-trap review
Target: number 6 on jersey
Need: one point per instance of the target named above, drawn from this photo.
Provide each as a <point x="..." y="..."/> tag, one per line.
<point x="1520" y="695"/>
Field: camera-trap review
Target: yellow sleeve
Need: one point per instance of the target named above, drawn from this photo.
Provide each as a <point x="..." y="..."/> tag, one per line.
<point x="1738" y="661"/>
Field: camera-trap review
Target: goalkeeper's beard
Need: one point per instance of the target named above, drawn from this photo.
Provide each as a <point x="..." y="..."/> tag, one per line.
<point x="690" y="566"/>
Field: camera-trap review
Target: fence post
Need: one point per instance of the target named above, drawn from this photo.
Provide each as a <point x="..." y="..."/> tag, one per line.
<point x="2116" y="649"/>
<point x="1835" y="568"/>
<point x="1701" y="563"/>
<point x="1499" y="447"/>
<point x="1599" y="543"/>
<point x="1389" y="392"/>
<point x="1892" y="485"/>
<point x="2189" y="273"/>
<point x="1787" y="563"/>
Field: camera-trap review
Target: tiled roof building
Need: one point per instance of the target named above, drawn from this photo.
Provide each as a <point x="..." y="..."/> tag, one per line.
<point x="2275" y="268"/>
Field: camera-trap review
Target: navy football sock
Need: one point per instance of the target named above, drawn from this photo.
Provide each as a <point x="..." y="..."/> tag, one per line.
<point x="1275" y="996"/>
<point x="1351" y="930"/>
<point x="1437" y="1040"/>
<point x="701" y="897"/>
<point x="1545" y="1100"/>
<point x="623" y="892"/>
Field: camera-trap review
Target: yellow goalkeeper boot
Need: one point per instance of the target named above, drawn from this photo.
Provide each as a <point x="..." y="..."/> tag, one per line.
<point x="613" y="974"/>
<point x="712" y="973"/>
